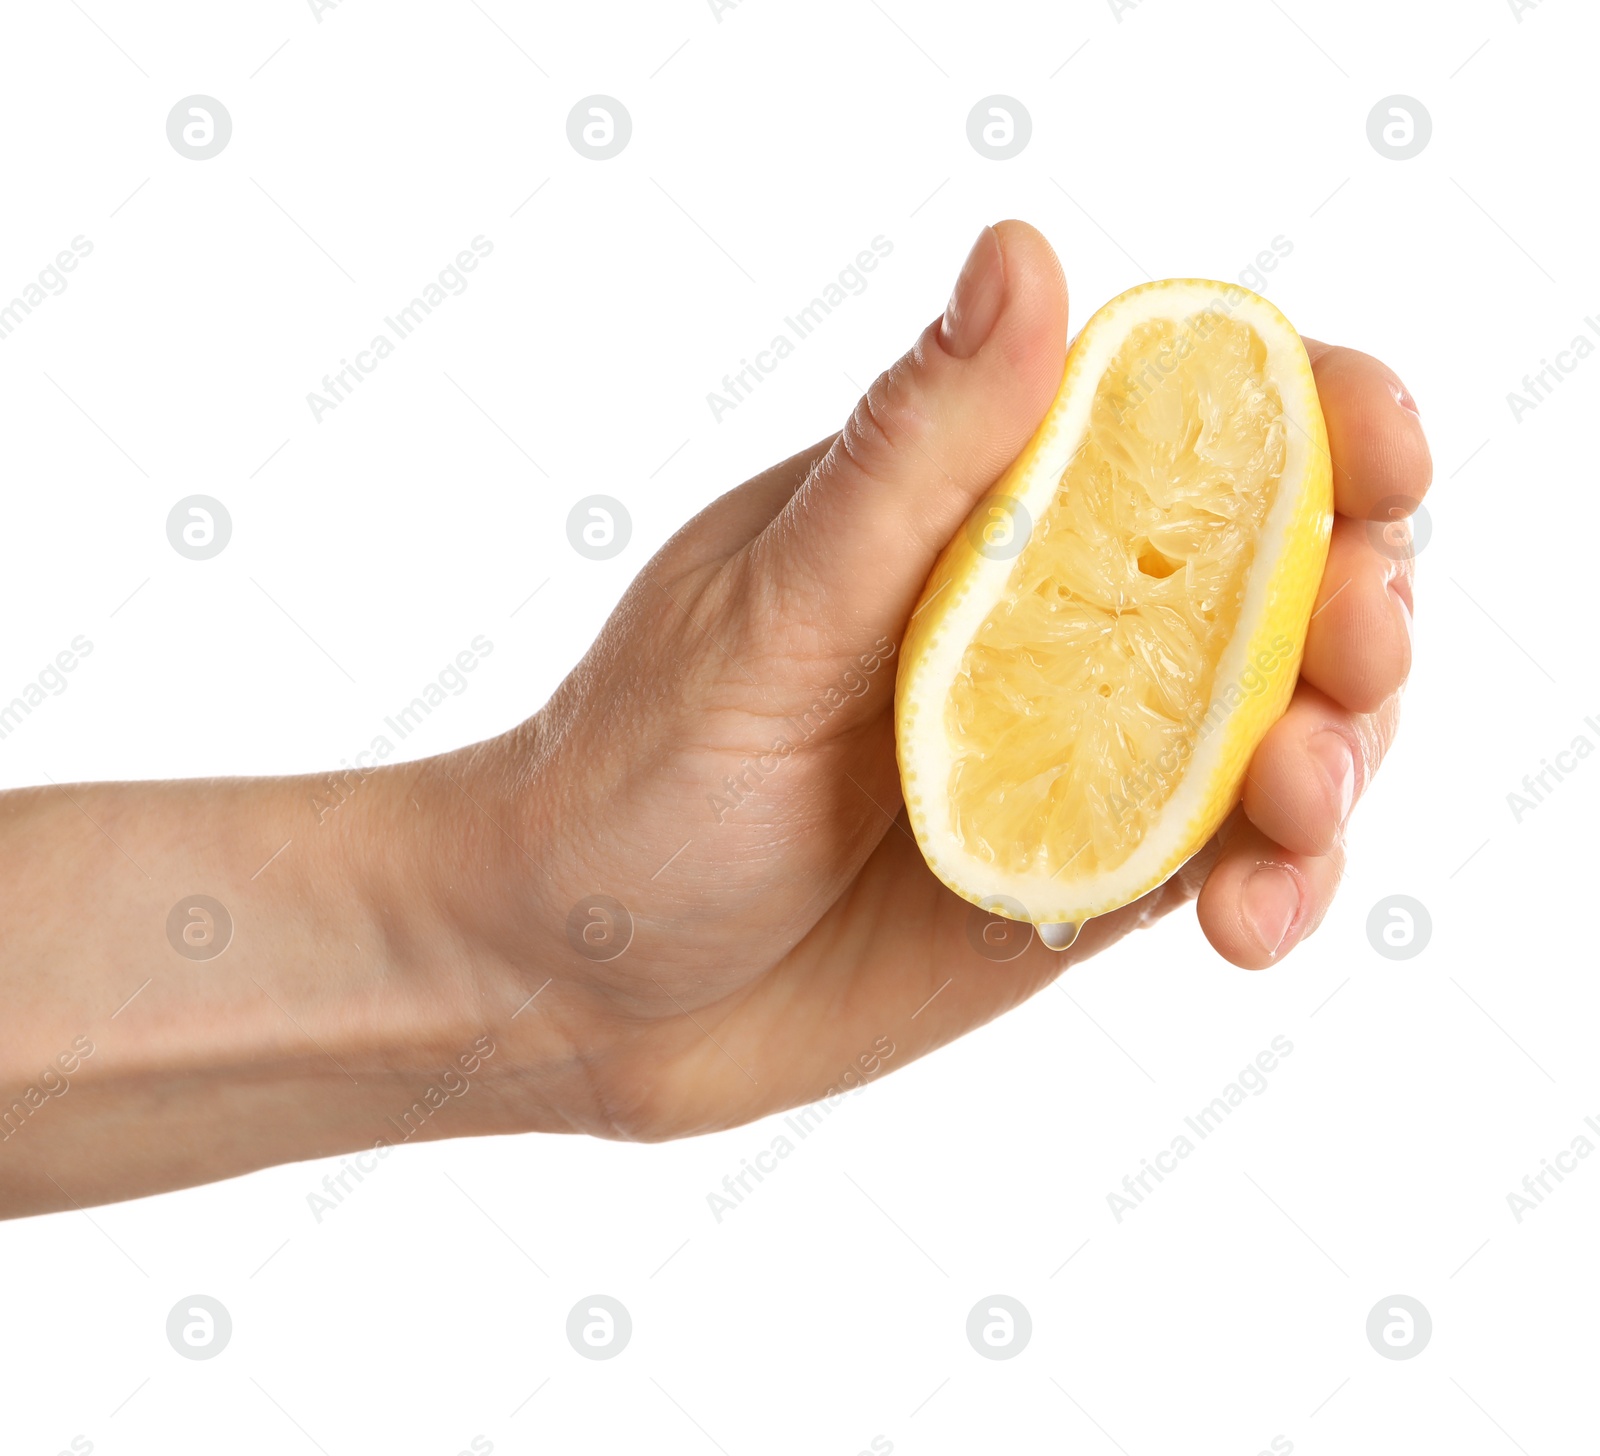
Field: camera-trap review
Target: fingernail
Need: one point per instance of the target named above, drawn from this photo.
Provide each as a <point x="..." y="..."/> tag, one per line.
<point x="976" y="300"/>
<point x="1332" y="751"/>
<point x="1271" y="900"/>
<point x="1402" y="397"/>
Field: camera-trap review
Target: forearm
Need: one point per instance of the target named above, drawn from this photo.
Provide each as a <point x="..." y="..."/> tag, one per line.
<point x="137" y="1056"/>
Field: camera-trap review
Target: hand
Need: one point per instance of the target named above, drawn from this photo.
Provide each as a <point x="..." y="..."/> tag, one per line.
<point x="721" y="764"/>
<point x="428" y="961"/>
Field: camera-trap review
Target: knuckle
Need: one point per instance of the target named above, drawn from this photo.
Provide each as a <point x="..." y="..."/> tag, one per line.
<point x="887" y="422"/>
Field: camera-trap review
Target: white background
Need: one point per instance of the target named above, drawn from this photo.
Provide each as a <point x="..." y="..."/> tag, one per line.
<point x="769" y="146"/>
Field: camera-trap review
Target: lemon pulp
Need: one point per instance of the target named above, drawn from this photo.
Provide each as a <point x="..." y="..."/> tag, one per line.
<point x="1079" y="701"/>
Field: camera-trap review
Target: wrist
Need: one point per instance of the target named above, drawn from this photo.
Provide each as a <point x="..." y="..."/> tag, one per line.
<point x="452" y="862"/>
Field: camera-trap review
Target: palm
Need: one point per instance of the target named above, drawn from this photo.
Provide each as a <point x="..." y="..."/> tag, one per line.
<point x="892" y="956"/>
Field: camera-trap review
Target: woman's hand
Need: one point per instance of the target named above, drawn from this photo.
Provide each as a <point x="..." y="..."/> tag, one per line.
<point x="704" y="860"/>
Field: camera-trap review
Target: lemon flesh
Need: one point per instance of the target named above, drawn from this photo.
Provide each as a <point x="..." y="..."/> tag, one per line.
<point x="1081" y="696"/>
<point x="1099" y="651"/>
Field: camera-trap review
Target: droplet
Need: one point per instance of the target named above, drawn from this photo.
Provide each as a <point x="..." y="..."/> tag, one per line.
<point x="1060" y="935"/>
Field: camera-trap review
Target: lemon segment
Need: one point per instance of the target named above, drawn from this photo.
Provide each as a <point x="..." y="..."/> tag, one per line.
<point x="1099" y="651"/>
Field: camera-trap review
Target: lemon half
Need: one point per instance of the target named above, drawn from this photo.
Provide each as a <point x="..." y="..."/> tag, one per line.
<point x="1099" y="650"/>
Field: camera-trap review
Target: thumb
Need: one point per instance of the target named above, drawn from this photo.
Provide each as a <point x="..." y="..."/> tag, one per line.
<point x="857" y="540"/>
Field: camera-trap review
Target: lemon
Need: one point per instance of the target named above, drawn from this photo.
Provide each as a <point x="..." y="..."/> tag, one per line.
<point x="1099" y="650"/>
